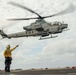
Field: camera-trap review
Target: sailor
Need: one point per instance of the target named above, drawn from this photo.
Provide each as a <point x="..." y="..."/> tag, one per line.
<point x="8" y="57"/>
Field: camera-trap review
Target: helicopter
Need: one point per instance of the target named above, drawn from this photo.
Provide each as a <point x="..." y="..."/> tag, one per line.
<point x="38" y="28"/>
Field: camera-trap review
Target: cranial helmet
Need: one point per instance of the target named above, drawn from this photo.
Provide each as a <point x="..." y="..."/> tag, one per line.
<point x="8" y="46"/>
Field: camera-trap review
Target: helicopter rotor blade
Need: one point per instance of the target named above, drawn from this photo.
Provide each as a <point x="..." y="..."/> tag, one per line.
<point x="24" y="7"/>
<point x="24" y="18"/>
<point x="70" y="9"/>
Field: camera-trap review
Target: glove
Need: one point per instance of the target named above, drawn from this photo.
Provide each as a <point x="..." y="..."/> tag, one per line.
<point x="17" y="45"/>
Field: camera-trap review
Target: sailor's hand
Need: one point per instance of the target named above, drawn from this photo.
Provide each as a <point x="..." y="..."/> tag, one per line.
<point x="17" y="45"/>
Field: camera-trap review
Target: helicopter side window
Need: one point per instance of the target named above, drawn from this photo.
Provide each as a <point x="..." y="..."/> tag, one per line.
<point x="26" y="32"/>
<point x="31" y="31"/>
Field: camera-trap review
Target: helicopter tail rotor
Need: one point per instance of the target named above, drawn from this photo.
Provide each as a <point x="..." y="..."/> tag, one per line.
<point x="3" y="34"/>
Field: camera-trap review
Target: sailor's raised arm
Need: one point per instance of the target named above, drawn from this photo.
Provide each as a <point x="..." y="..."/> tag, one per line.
<point x="14" y="47"/>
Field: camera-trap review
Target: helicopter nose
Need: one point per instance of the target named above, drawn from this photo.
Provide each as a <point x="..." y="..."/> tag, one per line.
<point x="65" y="25"/>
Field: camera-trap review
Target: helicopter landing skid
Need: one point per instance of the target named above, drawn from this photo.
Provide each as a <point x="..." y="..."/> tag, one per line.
<point x="48" y="37"/>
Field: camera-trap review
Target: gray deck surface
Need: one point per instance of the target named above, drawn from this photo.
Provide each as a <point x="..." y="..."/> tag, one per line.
<point x="41" y="72"/>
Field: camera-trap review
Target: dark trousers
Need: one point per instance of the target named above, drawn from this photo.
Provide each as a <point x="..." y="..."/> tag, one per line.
<point x="7" y="63"/>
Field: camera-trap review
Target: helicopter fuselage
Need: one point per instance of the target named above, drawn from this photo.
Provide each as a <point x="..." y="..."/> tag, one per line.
<point x="40" y="28"/>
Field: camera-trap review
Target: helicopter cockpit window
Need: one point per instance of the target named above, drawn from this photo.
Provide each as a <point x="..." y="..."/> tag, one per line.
<point x="56" y="23"/>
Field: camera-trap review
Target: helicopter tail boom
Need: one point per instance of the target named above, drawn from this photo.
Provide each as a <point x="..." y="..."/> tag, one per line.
<point x="3" y="34"/>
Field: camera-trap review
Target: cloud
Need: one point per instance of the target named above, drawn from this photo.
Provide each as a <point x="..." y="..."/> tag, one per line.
<point x="32" y="52"/>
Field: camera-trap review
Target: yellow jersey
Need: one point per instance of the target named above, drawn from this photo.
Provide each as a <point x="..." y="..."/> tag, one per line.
<point x="8" y="52"/>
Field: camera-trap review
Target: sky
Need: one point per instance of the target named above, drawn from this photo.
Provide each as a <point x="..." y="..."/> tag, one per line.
<point x="34" y="53"/>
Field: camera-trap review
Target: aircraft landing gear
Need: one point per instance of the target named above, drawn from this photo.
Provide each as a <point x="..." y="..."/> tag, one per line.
<point x="48" y="37"/>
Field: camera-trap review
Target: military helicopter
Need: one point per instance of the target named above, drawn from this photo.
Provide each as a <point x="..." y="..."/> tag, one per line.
<point x="38" y="28"/>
